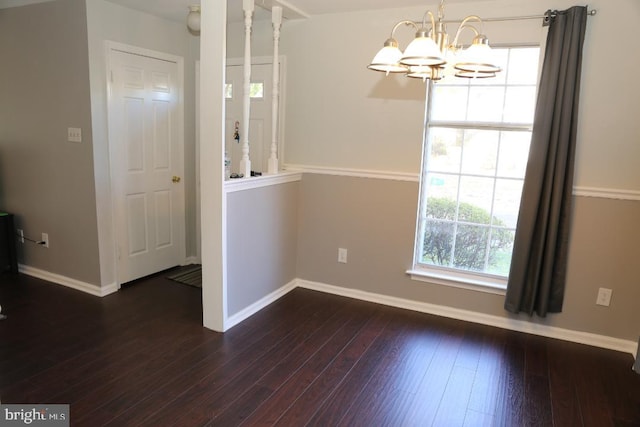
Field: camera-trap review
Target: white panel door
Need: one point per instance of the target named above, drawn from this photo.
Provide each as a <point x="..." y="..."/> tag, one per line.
<point x="260" y="120"/>
<point x="147" y="164"/>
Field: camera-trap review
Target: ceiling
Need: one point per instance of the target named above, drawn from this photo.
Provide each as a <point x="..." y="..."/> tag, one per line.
<point x="176" y="10"/>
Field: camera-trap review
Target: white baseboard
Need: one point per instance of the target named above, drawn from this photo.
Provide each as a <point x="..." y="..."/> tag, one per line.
<point x="587" y="338"/>
<point x="88" y="288"/>
<point x="484" y="319"/>
<point x="191" y="260"/>
<point x="249" y="311"/>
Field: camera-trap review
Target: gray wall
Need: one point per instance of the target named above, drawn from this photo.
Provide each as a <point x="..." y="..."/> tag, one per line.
<point x="341" y="115"/>
<point x="53" y="77"/>
<point x="347" y="119"/>
<point x="375" y="220"/>
<point x="46" y="181"/>
<point x="262" y="226"/>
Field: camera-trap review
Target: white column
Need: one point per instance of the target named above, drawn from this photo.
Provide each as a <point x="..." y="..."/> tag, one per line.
<point x="276" y="19"/>
<point x="245" y="163"/>
<point x="212" y="198"/>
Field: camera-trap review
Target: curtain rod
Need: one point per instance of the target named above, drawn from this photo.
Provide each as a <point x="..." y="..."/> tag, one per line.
<point x="552" y="13"/>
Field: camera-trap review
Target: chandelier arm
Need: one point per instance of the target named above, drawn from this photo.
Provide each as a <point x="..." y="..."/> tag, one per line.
<point x="431" y="18"/>
<point x="464" y="25"/>
<point x="405" y="22"/>
<point x="433" y="21"/>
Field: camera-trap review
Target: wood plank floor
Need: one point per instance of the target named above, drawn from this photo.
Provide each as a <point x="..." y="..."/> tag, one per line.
<point x="141" y="357"/>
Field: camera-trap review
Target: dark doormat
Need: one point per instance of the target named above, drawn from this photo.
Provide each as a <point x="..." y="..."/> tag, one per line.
<point x="191" y="276"/>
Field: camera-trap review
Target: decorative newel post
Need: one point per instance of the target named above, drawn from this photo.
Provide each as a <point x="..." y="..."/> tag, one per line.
<point x="245" y="163"/>
<point x="276" y="19"/>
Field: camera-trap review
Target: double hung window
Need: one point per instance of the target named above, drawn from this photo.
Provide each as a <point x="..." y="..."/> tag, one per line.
<point x="476" y="148"/>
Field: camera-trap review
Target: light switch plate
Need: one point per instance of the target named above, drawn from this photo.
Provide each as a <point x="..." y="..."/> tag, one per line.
<point x="74" y="134"/>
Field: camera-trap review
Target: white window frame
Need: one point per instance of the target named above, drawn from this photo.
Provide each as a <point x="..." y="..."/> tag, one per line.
<point x="458" y="278"/>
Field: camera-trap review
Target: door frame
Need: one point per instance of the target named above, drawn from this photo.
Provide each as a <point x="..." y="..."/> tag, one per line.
<point x="111" y="46"/>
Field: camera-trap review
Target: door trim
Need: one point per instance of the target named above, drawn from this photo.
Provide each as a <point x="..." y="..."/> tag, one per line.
<point x="111" y="46"/>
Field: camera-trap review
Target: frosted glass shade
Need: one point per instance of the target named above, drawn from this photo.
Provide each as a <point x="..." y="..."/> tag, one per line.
<point x="422" y="51"/>
<point x="477" y="58"/>
<point x="388" y="59"/>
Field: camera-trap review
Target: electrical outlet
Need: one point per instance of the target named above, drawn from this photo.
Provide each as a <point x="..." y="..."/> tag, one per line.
<point x="74" y="134"/>
<point x="20" y="235"/>
<point x="342" y="255"/>
<point x="45" y="240"/>
<point x="604" y="297"/>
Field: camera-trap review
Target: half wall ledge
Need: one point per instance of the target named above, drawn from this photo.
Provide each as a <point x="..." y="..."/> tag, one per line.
<point x="249" y="183"/>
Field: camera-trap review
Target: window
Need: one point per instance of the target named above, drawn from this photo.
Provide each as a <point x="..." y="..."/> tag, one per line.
<point x="477" y="143"/>
<point x="256" y="90"/>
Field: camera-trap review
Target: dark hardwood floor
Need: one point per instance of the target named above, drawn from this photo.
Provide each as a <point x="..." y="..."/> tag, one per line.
<point x="141" y="357"/>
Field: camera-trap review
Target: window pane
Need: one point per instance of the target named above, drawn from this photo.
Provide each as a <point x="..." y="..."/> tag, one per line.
<point x="479" y="154"/>
<point x="485" y="104"/>
<point x="442" y="185"/>
<point x="520" y="104"/>
<point x="437" y="243"/>
<point x="500" y="252"/>
<point x="476" y="195"/>
<point x="446" y="149"/>
<point x="471" y="247"/>
<point x="507" y="202"/>
<point x="523" y="66"/>
<point x="256" y="90"/>
<point x="450" y="103"/>
<point x="514" y="154"/>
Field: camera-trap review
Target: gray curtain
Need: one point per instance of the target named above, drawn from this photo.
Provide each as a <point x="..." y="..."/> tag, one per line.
<point x="538" y="265"/>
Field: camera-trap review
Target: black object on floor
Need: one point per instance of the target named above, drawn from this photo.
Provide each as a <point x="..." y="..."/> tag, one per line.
<point x="191" y="276"/>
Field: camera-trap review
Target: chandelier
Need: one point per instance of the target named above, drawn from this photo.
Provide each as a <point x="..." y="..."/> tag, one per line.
<point x="431" y="56"/>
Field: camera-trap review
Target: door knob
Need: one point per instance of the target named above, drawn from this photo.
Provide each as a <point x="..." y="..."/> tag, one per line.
<point x="175" y="179"/>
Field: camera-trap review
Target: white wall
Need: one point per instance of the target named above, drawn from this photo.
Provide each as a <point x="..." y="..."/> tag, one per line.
<point x="108" y="21"/>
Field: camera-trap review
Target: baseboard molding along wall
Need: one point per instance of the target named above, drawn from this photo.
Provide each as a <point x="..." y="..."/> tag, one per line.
<point x="484" y="319"/>
<point x="99" y="291"/>
<point x="249" y="311"/>
<point x="191" y="260"/>
<point x="595" y="340"/>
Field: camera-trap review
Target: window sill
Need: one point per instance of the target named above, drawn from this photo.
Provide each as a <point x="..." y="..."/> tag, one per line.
<point x="486" y="286"/>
